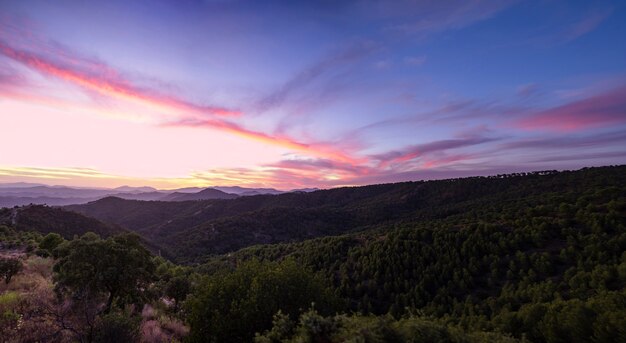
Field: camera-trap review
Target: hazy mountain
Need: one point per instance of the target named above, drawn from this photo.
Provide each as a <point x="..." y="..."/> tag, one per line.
<point x="23" y="193"/>
<point x="10" y="201"/>
<point x="53" y="191"/>
<point x="205" y="194"/>
<point x="129" y="189"/>
<point x="19" y="185"/>
<point x="305" y="190"/>
<point x="148" y="196"/>
<point x="18" y="194"/>
<point x="247" y="191"/>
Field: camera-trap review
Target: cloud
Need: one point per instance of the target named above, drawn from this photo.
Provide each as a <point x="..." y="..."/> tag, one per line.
<point x="439" y="16"/>
<point x="450" y="112"/>
<point x="600" y="110"/>
<point x="307" y="76"/>
<point x="51" y="173"/>
<point x="10" y="77"/>
<point x="602" y="139"/>
<point x="382" y="64"/>
<point x="415" y="60"/>
<point x="527" y="90"/>
<point x="53" y="59"/>
<point x="583" y="157"/>
<point x="415" y="151"/>
<point x="322" y="164"/>
<point x="314" y="149"/>
<point x="586" y="25"/>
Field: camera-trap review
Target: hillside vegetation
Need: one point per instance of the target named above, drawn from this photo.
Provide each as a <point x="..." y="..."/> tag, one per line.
<point x="537" y="257"/>
<point x="44" y="219"/>
<point x="190" y="231"/>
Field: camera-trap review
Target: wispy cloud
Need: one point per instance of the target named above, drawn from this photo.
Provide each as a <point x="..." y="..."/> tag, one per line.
<point x="600" y="110"/>
<point x="584" y="157"/>
<point x="527" y="90"/>
<point x="307" y="76"/>
<point x="51" y="173"/>
<point x="415" y="151"/>
<point x="587" y="24"/>
<point x="53" y="60"/>
<point x="415" y="60"/>
<point x="569" y="141"/>
<point x="98" y="77"/>
<point x="314" y="149"/>
<point x="438" y="16"/>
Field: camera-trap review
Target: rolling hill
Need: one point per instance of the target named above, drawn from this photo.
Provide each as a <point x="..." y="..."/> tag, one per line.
<point x="44" y="219"/>
<point x="204" y="194"/>
<point x="531" y="256"/>
<point x="193" y="230"/>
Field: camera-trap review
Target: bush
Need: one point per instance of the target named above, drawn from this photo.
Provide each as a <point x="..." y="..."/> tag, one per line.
<point x="236" y="305"/>
<point x="117" y="327"/>
<point x="9" y="267"/>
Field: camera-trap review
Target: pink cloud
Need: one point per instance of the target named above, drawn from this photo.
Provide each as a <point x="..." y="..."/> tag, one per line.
<point x="415" y="151"/>
<point x="90" y="74"/>
<point x="601" y="110"/>
<point x="314" y="149"/>
<point x="51" y="59"/>
<point x="324" y="165"/>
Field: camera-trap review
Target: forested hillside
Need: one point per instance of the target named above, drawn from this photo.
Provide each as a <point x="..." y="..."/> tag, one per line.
<point x="44" y="219"/>
<point x="550" y="266"/>
<point x="537" y="257"/>
<point x="192" y="230"/>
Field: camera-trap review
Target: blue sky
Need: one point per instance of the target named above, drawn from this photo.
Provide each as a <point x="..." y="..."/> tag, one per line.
<point x="317" y="93"/>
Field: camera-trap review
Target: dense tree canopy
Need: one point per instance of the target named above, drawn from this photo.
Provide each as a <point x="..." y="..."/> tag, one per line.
<point x="118" y="267"/>
<point x="538" y="257"/>
<point x="9" y="267"/>
<point x="233" y="306"/>
<point x="49" y="242"/>
<point x="552" y="255"/>
<point x="191" y="231"/>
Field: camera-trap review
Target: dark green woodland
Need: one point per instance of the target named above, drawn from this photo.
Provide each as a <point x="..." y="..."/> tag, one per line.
<point x="529" y="257"/>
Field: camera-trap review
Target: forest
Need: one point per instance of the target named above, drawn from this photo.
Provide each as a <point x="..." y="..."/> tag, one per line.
<point x="528" y="257"/>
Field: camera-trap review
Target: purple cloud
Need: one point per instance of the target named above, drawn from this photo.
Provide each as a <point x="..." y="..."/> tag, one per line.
<point x="601" y="110"/>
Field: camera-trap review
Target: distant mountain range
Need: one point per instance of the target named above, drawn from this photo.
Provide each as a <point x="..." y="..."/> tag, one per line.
<point x="24" y="193"/>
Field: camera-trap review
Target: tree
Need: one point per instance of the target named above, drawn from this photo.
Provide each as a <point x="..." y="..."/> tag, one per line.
<point x="117" y="327"/>
<point x="119" y="268"/>
<point x="9" y="267"/>
<point x="234" y="306"/>
<point x="50" y="242"/>
<point x="178" y="288"/>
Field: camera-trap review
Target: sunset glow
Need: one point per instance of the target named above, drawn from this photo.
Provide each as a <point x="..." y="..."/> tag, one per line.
<point x="292" y="95"/>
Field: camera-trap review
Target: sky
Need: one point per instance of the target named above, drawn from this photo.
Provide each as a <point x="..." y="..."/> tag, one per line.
<point x="293" y="94"/>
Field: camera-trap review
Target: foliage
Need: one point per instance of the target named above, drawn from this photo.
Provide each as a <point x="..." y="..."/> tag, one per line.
<point x="192" y="231"/>
<point x="13" y="239"/>
<point x="234" y="306"/>
<point x="44" y="219"/>
<point x="476" y="267"/>
<point x="118" y="267"/>
<point x="8" y="315"/>
<point x="178" y="288"/>
<point x="9" y="267"/>
<point x="117" y="327"/>
<point x="538" y="256"/>
<point x="48" y="243"/>
<point x="312" y="327"/>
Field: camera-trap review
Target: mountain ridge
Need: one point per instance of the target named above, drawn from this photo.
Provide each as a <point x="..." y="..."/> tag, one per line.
<point x="206" y="227"/>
